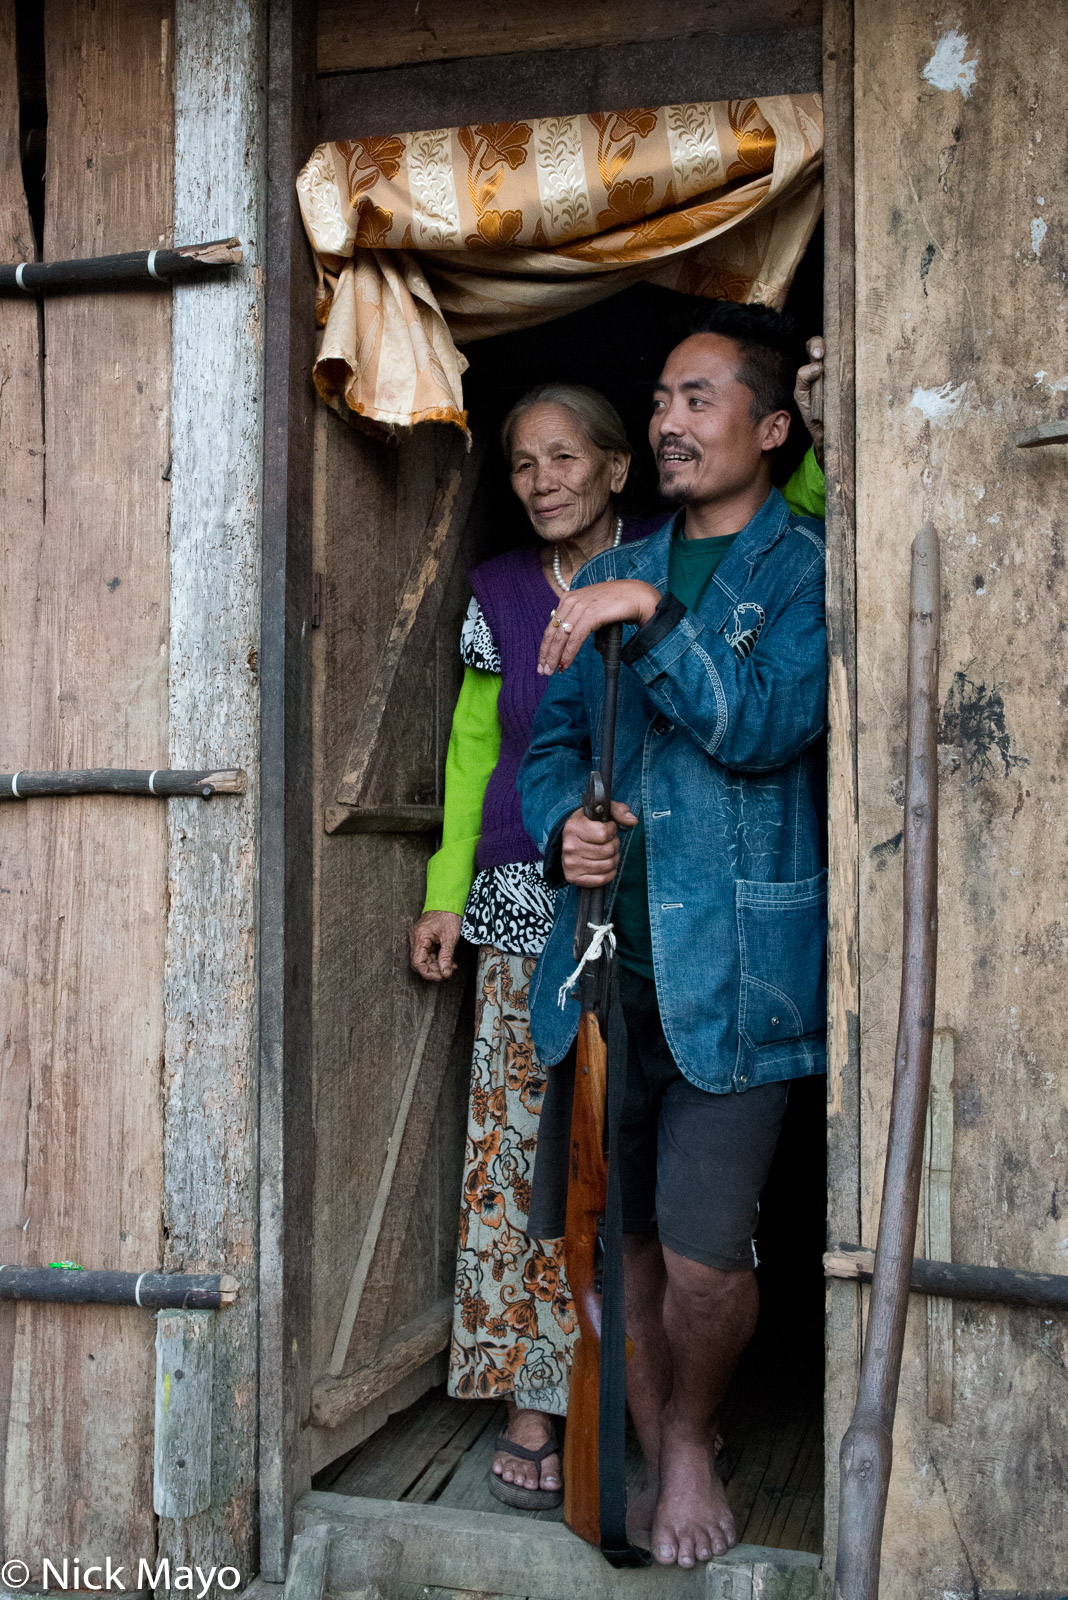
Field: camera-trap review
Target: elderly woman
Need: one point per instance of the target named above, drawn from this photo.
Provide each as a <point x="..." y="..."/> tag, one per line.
<point x="568" y="456"/>
<point x="513" y="1323"/>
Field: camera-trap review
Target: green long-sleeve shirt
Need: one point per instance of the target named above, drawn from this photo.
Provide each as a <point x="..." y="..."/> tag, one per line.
<point x="475" y="743"/>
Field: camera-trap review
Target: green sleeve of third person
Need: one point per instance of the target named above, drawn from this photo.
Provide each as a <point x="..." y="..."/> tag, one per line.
<point x="805" y="492"/>
<point x="474" y="748"/>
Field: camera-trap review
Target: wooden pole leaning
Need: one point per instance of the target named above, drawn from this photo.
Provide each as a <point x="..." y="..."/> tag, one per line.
<point x="867" y="1448"/>
<point x="137" y="267"/>
<point x="161" y="783"/>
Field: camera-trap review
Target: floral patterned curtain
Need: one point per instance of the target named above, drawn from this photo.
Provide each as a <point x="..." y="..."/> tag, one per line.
<point x="426" y="240"/>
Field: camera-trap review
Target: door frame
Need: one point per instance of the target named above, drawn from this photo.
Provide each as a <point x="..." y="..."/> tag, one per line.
<point x="286" y="1147"/>
<point x="843" y="1300"/>
<point x="286" y="811"/>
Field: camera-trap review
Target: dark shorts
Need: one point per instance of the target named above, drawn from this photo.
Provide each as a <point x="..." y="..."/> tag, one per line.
<point x="692" y="1163"/>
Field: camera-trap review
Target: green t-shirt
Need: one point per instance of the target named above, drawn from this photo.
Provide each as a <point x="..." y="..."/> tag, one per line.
<point x="693" y="561"/>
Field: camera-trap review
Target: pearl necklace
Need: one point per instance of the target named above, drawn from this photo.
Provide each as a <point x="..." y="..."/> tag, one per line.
<point x="558" y="575"/>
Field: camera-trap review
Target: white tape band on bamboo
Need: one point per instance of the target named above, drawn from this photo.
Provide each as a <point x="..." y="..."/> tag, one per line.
<point x="152" y="267"/>
<point x="15" y="784"/>
<point x="19" y="270"/>
<point x="137" y="1289"/>
<point x="152" y="779"/>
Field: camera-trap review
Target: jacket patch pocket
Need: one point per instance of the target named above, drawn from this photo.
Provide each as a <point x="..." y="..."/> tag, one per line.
<point x="782" y="939"/>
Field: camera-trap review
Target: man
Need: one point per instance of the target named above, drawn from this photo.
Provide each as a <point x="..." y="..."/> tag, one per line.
<point x="719" y="903"/>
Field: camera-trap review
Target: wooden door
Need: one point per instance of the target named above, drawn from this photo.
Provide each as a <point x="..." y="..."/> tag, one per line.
<point x="391" y="1052"/>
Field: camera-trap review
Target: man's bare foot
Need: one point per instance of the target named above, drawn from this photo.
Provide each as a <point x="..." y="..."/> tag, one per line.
<point x="692" y="1521"/>
<point x="532" y="1429"/>
<point x="640" y="1509"/>
<point x="641" y="1506"/>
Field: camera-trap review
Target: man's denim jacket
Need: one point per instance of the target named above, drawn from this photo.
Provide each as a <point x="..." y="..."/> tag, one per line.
<point x="718" y="741"/>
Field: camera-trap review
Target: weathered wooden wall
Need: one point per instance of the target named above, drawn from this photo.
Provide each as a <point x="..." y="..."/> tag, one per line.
<point x="962" y="330"/>
<point x="22" y="495"/>
<point x="88" y="627"/>
<point x="129" y="625"/>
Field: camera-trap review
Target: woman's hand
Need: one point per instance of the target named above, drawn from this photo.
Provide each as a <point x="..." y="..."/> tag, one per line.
<point x="433" y="941"/>
<point x="584" y="610"/>
<point x="589" y="850"/>
<point x="807" y="378"/>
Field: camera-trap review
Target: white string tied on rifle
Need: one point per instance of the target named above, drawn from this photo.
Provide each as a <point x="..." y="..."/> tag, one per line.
<point x="603" y="934"/>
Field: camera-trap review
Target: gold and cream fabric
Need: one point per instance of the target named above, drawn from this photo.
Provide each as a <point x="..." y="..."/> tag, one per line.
<point x="424" y="241"/>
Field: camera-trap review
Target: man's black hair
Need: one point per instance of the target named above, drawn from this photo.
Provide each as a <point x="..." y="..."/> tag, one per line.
<point x="769" y="347"/>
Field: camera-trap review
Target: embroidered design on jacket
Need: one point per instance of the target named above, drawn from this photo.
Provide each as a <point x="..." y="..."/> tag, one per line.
<point x="747" y="623"/>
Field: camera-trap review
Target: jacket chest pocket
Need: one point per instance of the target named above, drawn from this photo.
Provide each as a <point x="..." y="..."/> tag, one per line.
<point x="782" y="940"/>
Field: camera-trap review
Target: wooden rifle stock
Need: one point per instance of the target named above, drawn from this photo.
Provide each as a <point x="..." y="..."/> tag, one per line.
<point x="587" y="1186"/>
<point x="586" y="1199"/>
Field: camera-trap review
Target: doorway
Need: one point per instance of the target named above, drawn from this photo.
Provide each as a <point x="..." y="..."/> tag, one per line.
<point x="371" y="504"/>
<point x="437" y="1451"/>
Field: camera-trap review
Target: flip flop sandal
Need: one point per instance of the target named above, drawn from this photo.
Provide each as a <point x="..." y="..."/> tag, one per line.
<point x="513" y="1494"/>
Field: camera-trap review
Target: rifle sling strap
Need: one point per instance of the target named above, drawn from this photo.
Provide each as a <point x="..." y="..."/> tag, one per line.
<point x="612" y="1412"/>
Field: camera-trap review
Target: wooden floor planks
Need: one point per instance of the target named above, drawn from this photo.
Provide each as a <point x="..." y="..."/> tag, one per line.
<point x="440" y="1450"/>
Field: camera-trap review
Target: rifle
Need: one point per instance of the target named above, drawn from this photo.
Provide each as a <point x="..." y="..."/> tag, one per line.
<point x="595" y="1495"/>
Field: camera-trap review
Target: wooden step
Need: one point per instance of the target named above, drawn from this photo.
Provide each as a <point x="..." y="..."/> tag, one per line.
<point x="453" y="1548"/>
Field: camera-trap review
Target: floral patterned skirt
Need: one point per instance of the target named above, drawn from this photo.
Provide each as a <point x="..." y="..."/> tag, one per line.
<point x="513" y="1321"/>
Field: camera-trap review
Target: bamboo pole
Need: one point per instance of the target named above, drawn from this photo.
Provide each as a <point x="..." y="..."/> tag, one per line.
<point x="141" y="267"/>
<point x="162" y="783"/>
<point x="153" y="1291"/>
<point x="958" y="1280"/>
<point x="867" y="1448"/>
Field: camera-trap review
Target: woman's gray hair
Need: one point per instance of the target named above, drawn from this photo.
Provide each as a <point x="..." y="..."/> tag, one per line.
<point x="598" y="417"/>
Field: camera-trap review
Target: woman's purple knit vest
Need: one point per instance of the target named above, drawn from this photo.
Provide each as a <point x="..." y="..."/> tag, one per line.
<point x="517" y="601"/>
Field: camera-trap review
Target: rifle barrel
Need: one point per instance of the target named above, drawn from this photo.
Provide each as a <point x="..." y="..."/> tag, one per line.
<point x="609" y="642"/>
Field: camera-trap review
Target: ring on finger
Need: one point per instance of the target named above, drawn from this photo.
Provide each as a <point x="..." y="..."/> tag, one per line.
<point x="565" y="625"/>
<point x="554" y="621"/>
